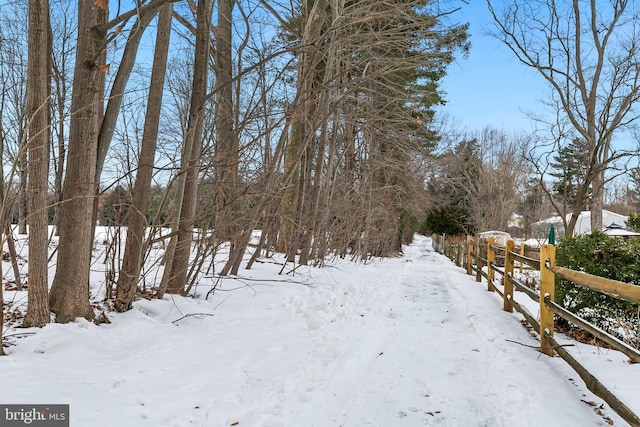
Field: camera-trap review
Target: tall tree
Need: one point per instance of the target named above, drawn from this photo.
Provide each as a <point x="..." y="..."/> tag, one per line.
<point x="588" y="52"/>
<point x="1" y="310"/>
<point x="633" y="192"/>
<point x="69" y="295"/>
<point x="484" y="173"/>
<point x="535" y="204"/>
<point x="226" y="150"/>
<point x="379" y="63"/>
<point x="134" y="249"/>
<point x="38" y="94"/>
<point x="63" y="29"/>
<point x="114" y="104"/>
<point x="174" y="278"/>
<point x="569" y="168"/>
<point x="13" y="104"/>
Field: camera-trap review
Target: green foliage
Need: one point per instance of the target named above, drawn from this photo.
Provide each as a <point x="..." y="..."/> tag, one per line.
<point x="610" y="257"/>
<point x="570" y="170"/>
<point x="115" y="207"/>
<point x="633" y="191"/>
<point x="156" y="203"/>
<point x="450" y="220"/>
<point x="633" y="223"/>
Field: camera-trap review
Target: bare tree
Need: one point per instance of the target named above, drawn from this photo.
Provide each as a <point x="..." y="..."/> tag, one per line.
<point x="13" y="103"/>
<point x="39" y="90"/>
<point x="69" y="295"/>
<point x="63" y="29"/>
<point x="501" y="180"/>
<point x="588" y="54"/>
<point x="227" y="148"/>
<point x="134" y="249"/>
<point x="1" y="311"/>
<point x="114" y="104"/>
<point x="484" y="173"/>
<point x="174" y="278"/>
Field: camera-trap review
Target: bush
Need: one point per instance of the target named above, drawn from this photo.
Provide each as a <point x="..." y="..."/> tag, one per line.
<point x="609" y="257"/>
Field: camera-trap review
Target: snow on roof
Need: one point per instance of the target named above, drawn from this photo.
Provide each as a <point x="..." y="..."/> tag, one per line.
<point x="583" y="224"/>
<point x="618" y="230"/>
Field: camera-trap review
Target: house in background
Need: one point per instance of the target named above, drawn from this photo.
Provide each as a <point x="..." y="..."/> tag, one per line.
<point x="619" y="231"/>
<point x="540" y="229"/>
<point x="515" y="226"/>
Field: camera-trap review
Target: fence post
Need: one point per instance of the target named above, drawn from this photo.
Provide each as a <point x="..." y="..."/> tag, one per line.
<point x="547" y="290"/>
<point x="522" y="248"/>
<point x="445" y="250"/>
<point x="468" y="247"/>
<point x="491" y="258"/>
<point x="478" y="261"/>
<point x="508" y="271"/>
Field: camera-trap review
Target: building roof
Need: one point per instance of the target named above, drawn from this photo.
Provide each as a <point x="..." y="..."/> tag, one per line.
<point x="618" y="230"/>
<point x="583" y="225"/>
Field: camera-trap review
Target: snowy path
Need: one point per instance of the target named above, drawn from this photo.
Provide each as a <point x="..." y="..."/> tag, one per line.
<point x="414" y="348"/>
<point x="410" y="341"/>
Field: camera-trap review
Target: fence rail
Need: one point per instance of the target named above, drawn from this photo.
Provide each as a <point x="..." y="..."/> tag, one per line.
<point x="475" y="255"/>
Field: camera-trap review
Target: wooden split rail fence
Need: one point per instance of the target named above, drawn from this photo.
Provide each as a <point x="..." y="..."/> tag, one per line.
<point x="479" y="255"/>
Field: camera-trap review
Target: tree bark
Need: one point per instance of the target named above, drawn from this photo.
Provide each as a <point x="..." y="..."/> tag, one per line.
<point x="23" y="201"/>
<point x="114" y="104"/>
<point x="134" y="248"/>
<point x="69" y="296"/>
<point x="226" y="165"/>
<point x="597" y="201"/>
<point x="175" y="276"/>
<point x="313" y="19"/>
<point x="1" y="305"/>
<point x="38" y="91"/>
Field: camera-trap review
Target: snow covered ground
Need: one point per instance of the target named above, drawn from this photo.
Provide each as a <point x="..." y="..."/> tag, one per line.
<point x="409" y="341"/>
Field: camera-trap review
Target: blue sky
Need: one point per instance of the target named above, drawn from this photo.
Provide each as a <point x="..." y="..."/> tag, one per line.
<point x="490" y="87"/>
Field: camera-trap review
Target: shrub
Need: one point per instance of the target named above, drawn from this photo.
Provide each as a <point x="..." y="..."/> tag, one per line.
<point x="609" y="257"/>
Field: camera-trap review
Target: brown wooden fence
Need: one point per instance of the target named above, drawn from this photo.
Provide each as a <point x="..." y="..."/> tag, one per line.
<point x="483" y="258"/>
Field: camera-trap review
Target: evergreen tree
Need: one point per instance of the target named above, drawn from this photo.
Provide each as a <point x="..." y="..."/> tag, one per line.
<point x="570" y="172"/>
<point x="449" y="220"/>
<point x="115" y="209"/>
<point x="633" y="190"/>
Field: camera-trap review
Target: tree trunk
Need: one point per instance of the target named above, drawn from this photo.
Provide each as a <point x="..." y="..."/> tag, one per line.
<point x="226" y="165"/>
<point x="134" y="250"/>
<point x="1" y="252"/>
<point x="69" y="296"/>
<point x="38" y="91"/>
<point x="61" y="153"/>
<point x="23" y="202"/>
<point x="114" y="104"/>
<point x="175" y="275"/>
<point x="1" y="304"/>
<point x="597" y="201"/>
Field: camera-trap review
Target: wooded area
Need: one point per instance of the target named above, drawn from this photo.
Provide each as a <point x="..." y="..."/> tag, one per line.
<point x="191" y="124"/>
<point x="194" y="123"/>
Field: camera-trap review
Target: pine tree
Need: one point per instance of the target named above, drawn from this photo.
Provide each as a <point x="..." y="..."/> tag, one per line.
<point x="633" y="190"/>
<point x="570" y="172"/>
